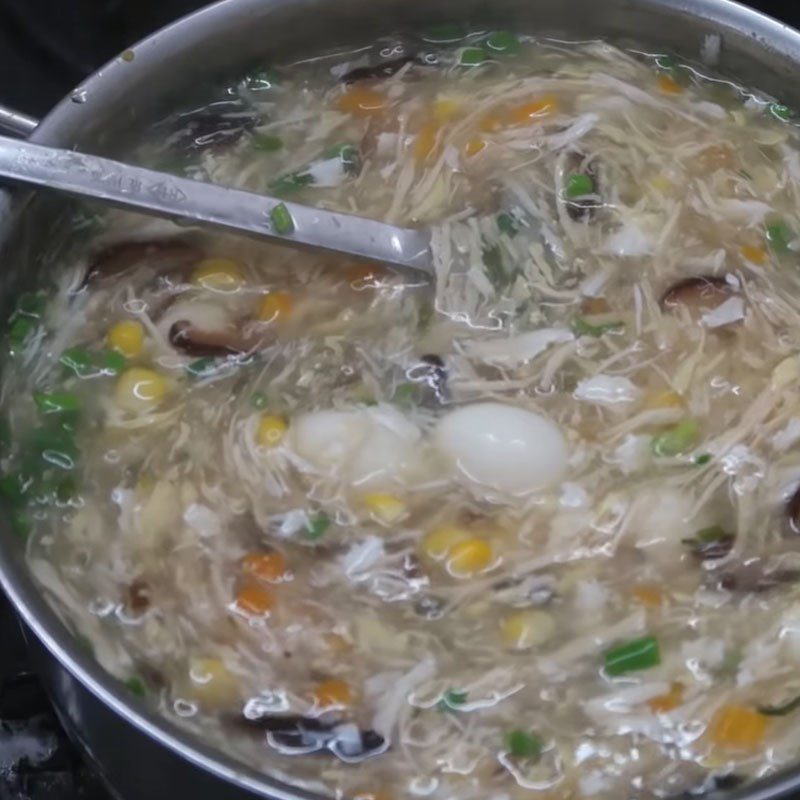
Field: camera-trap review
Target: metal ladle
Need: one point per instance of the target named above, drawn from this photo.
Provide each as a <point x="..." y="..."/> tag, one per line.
<point x="183" y="199"/>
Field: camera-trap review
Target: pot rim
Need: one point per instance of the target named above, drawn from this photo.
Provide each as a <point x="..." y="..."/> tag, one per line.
<point x="15" y="579"/>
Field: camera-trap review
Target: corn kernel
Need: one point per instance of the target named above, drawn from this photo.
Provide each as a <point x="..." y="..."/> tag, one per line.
<point x="271" y="430"/>
<point x="254" y="600"/>
<point x="738" y="728"/>
<point x="361" y="102"/>
<point x="269" y="567"/>
<point x="333" y="692"/>
<point x="753" y="254"/>
<point x="666" y="399"/>
<point x="528" y="113"/>
<point x="139" y="389"/>
<point x="664" y="703"/>
<point x="127" y="337"/>
<point x="440" y="541"/>
<point x="219" y="275"/>
<point x="212" y="684"/>
<point x="275" y="306"/>
<point x="469" y="557"/>
<point x="526" y="629"/>
<point x="648" y="595"/>
<point x="474" y="146"/>
<point x="669" y="85"/>
<point x="385" y="507"/>
<point x="446" y="109"/>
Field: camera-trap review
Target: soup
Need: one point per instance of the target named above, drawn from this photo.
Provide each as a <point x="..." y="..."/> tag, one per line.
<point x="527" y="529"/>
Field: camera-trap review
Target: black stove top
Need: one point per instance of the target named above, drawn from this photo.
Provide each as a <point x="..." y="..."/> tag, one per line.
<point x="46" y="48"/>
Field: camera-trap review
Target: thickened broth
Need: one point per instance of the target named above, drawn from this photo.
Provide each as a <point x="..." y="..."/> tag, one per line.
<point x="528" y="529"/>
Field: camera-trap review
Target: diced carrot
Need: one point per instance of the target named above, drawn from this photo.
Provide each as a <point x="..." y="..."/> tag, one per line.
<point x="255" y="600"/>
<point x="275" y="306"/>
<point x="361" y="102"/>
<point x="474" y="146"/>
<point x="669" y="85"/>
<point x="333" y="692"/>
<point x="446" y="109"/>
<point x="753" y="254"/>
<point x="738" y="728"/>
<point x="595" y="305"/>
<point x="265" y="566"/>
<point x="648" y="595"/>
<point x="528" y="113"/>
<point x="425" y="143"/>
<point x="490" y="123"/>
<point x="666" y="399"/>
<point x="669" y="701"/>
<point x="716" y="156"/>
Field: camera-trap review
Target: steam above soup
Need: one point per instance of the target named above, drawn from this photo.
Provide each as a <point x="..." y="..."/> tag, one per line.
<point x="525" y="530"/>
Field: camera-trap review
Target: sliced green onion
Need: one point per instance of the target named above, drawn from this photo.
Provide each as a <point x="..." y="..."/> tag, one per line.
<point x="444" y="33"/>
<point x="780" y="111"/>
<point x="20" y="329"/>
<point x="32" y="305"/>
<point x="780" y="710"/>
<point x="56" y="402"/>
<point x="676" y="440"/>
<point x="348" y="153"/>
<point x="291" y="183"/>
<point x="406" y="394"/>
<point x="508" y="224"/>
<point x="579" y="185"/>
<point x="77" y="361"/>
<point x="113" y="362"/>
<point x="317" y="525"/>
<point x="20" y="524"/>
<point x="262" y="80"/>
<point x="503" y="42"/>
<point x="632" y="656"/>
<point x="201" y="368"/>
<point x="580" y="327"/>
<point x="779" y="236"/>
<point x="493" y="261"/>
<point x="451" y="700"/>
<point x="136" y="685"/>
<point x="473" y="57"/>
<point x="281" y="219"/>
<point x="666" y="62"/>
<point x="259" y="401"/>
<point x="522" y="744"/>
<point x="266" y="143"/>
<point x="711" y="542"/>
<point x="13" y="489"/>
<point x="702" y="459"/>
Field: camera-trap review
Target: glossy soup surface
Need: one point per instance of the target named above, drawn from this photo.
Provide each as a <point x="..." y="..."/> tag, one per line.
<point x="525" y="530"/>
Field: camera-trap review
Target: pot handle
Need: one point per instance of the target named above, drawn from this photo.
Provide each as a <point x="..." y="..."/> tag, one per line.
<point x="16" y="123"/>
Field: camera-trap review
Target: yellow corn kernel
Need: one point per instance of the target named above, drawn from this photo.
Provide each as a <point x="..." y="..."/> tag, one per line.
<point x="661" y="183"/>
<point x="469" y="557"/>
<point x="254" y="600"/>
<point x="738" y="728"/>
<point x="669" y="85"/>
<point x="526" y="629"/>
<point x="127" y="337"/>
<point x="271" y="430"/>
<point x="648" y="595"/>
<point x="474" y="146"/>
<point x="446" y="109"/>
<point x="361" y="102"/>
<point x="667" y="399"/>
<point x="385" y="507"/>
<point x="212" y="684"/>
<point x="219" y="275"/>
<point x="270" y="566"/>
<point x="440" y="541"/>
<point x="425" y="143"/>
<point x="139" y="389"/>
<point x="753" y="254"/>
<point x="664" y="703"/>
<point x="275" y="306"/>
<point x="333" y="692"/>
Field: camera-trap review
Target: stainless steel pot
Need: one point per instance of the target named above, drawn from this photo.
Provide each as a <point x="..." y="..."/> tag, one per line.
<point x="142" y="755"/>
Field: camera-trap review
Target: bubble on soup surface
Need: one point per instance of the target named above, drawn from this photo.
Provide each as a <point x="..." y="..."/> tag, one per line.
<point x="502" y="447"/>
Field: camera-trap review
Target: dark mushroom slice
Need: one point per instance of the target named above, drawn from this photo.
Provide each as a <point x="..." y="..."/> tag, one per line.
<point x="582" y="208"/>
<point x="793" y="511"/>
<point x="294" y="734"/>
<point x="199" y="343"/>
<point x="221" y="123"/>
<point x="710" y="543"/>
<point x="754" y="575"/>
<point x="430" y="374"/>
<point x="162" y="255"/>
<point x="137" y="596"/>
<point x="699" y="294"/>
<point x="381" y="70"/>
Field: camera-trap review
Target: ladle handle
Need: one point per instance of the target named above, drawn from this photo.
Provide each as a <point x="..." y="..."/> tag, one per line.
<point x="16" y="123"/>
<point x="190" y="201"/>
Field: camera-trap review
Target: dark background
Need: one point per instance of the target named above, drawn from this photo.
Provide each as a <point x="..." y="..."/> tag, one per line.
<point x="48" y="46"/>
